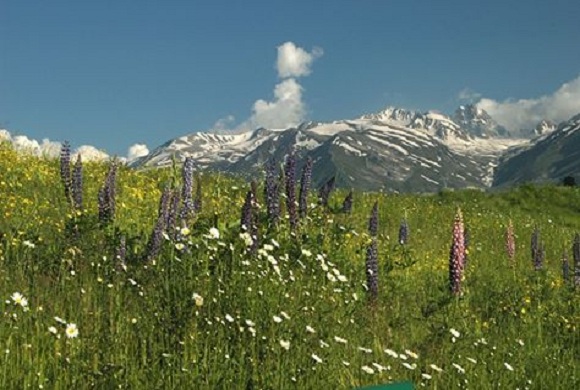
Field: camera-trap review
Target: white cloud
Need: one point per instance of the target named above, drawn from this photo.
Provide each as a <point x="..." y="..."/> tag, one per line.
<point x="468" y="95"/>
<point x="287" y="109"/>
<point x="224" y="123"/>
<point x="294" y="61"/>
<point x="90" y="153"/>
<point x="136" y="151"/>
<point x="526" y="113"/>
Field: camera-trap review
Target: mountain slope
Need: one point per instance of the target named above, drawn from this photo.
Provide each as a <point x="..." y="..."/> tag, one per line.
<point x="550" y="157"/>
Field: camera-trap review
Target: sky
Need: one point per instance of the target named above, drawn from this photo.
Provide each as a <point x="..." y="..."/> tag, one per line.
<point x="121" y="75"/>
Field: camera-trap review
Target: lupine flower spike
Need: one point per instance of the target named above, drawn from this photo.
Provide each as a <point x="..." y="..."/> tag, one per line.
<point x="510" y="242"/>
<point x="65" y="174"/>
<point x="457" y="255"/>
<point x="347" y="204"/>
<point x="305" y="181"/>
<point x="290" y="181"/>
<point x="372" y="265"/>
<point x="403" y="232"/>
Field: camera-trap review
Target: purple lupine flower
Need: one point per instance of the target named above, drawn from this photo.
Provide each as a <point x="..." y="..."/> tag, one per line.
<point x="246" y="219"/>
<point x="457" y="255"/>
<point x="272" y="196"/>
<point x="65" y="174"/>
<point x="254" y="189"/>
<point x="171" y="221"/>
<point x="290" y="181"/>
<point x="576" y="256"/>
<point x="325" y="190"/>
<point x="305" y="181"/>
<point x="372" y="270"/>
<point x="187" y="208"/>
<point x="565" y="267"/>
<point x="347" y="204"/>
<point x="403" y="232"/>
<point x="77" y="184"/>
<point x="374" y="220"/>
<point x="106" y="195"/>
<point x="156" y="238"/>
<point x="510" y="242"/>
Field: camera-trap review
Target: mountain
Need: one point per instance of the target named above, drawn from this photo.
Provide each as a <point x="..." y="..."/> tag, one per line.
<point x="394" y="149"/>
<point x="478" y="123"/>
<point x="549" y="157"/>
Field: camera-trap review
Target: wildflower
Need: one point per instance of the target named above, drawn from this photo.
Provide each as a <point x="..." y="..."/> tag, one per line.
<point x="285" y="344"/>
<point x="403" y="232"/>
<point x="325" y="190"/>
<point x="472" y="360"/>
<point x="306" y="252"/>
<point x="60" y="320"/>
<point x="246" y="238"/>
<point x="187" y="208"/>
<point x="316" y="358"/>
<point x="71" y="331"/>
<point x="65" y="174"/>
<point x="426" y="376"/>
<point x="368" y="370"/>
<point x="457" y="255"/>
<point x="347" y="203"/>
<point x="409" y="366"/>
<point x="229" y="318"/>
<point x="19" y="299"/>
<point x="247" y="215"/>
<point x="340" y="340"/>
<point x="277" y="319"/>
<point x="197" y="201"/>
<point x="372" y="270"/>
<point x="436" y="368"/>
<point x="380" y="367"/>
<point x="454" y="332"/>
<point x="365" y="350"/>
<point x="391" y="353"/>
<point x="310" y="329"/>
<point x="290" y="176"/>
<point x="412" y="354"/>
<point x="374" y="220"/>
<point x="460" y="369"/>
<point x="198" y="299"/>
<point x="510" y="242"/>
<point x="538" y="251"/>
<point x="179" y="246"/>
<point x="508" y="366"/>
<point x="214" y="233"/>
<point x="29" y="244"/>
<point x="52" y="330"/>
<point x="107" y="195"/>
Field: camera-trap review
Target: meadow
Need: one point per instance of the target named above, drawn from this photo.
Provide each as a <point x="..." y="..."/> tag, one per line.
<point x="162" y="279"/>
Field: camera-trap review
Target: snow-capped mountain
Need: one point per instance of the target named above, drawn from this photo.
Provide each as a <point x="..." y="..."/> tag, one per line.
<point x="478" y="123"/>
<point x="550" y="157"/>
<point x="393" y="149"/>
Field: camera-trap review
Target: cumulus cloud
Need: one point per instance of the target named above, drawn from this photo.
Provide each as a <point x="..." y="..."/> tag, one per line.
<point x="136" y="151"/>
<point x="90" y="153"/>
<point x="287" y="109"/>
<point x="526" y="113"/>
<point x="294" y="61"/>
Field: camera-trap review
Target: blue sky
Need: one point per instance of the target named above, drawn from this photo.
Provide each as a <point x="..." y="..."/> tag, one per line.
<point x="115" y="73"/>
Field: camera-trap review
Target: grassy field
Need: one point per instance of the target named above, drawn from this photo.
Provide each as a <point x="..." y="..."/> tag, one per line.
<point x="87" y="302"/>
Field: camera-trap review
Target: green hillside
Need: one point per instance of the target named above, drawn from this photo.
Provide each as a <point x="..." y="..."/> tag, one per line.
<point x="87" y="302"/>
